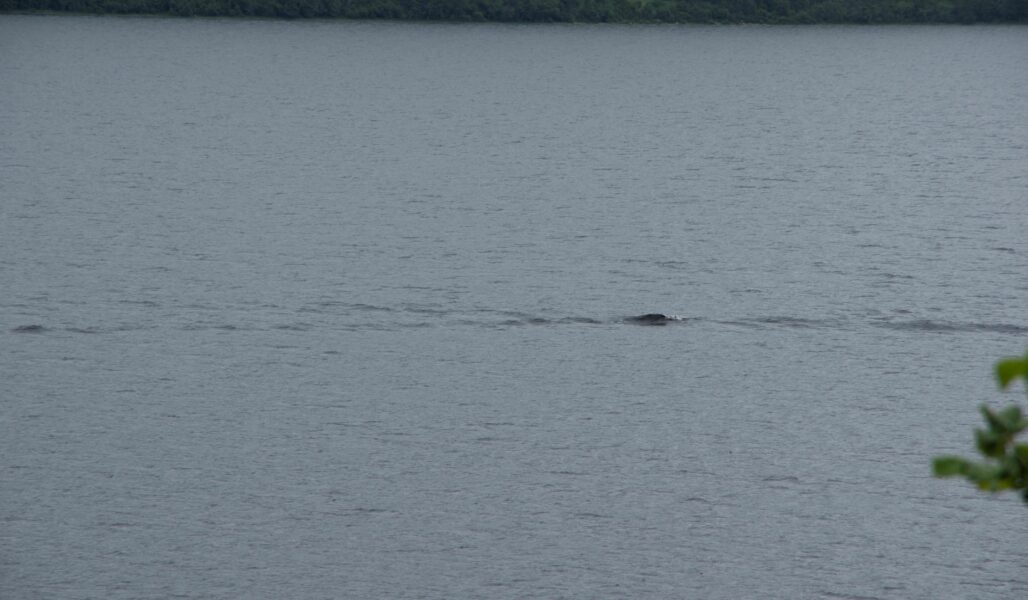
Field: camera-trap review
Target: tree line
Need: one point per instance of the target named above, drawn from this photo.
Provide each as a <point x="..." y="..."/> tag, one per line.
<point x="591" y="11"/>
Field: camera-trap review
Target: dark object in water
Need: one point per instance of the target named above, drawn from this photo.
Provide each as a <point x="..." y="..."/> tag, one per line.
<point x="651" y="319"/>
<point x="28" y="329"/>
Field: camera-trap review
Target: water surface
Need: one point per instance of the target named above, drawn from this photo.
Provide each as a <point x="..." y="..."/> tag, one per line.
<point x="338" y="310"/>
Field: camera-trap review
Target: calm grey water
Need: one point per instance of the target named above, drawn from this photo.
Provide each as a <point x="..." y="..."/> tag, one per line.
<point x="337" y="310"/>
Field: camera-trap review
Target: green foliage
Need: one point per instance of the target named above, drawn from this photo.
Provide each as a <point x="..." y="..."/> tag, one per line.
<point x="1006" y="462"/>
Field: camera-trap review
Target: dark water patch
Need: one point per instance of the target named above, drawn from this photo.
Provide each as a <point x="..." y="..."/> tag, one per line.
<point x="554" y="321"/>
<point x="120" y="524"/>
<point x="330" y="306"/>
<point x="146" y="303"/>
<point x="842" y="596"/>
<point x="507" y="323"/>
<point x="28" y="329"/>
<point x="354" y="327"/>
<point x="94" y="330"/>
<point x="213" y="327"/>
<point x="794" y="322"/>
<point x="524" y="320"/>
<point x="370" y="307"/>
<point x="417" y="325"/>
<point x="783" y="321"/>
<point x="895" y="276"/>
<point x="199" y="306"/>
<point x="740" y="323"/>
<point x="320" y="307"/>
<point x="886" y="280"/>
<point x="930" y="326"/>
<point x="294" y="327"/>
<point x="425" y="310"/>
<point x="369" y="510"/>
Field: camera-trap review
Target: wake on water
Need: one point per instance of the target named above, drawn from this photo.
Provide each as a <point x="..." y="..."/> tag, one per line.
<point x="341" y="316"/>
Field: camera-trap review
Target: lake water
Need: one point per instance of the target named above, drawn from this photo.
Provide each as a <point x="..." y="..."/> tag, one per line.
<point x="338" y="309"/>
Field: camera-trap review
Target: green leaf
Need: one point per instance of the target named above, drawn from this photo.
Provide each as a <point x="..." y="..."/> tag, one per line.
<point x="1006" y="464"/>
<point x="948" y="466"/>
<point x="986" y="476"/>
<point x="989" y="443"/>
<point x="995" y="424"/>
<point x="1000" y="484"/>
<point x="1021" y="451"/>
<point x="1010" y="369"/>
<point x="975" y="472"/>
<point x="1010" y="417"/>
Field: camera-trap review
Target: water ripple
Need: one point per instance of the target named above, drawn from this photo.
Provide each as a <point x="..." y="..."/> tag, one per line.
<point x="930" y="326"/>
<point x="34" y="328"/>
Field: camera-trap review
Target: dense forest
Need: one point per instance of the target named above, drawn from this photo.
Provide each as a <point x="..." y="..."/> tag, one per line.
<point x="677" y="11"/>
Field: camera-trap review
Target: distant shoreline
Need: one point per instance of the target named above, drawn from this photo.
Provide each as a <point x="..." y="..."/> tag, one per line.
<point x="766" y="12"/>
